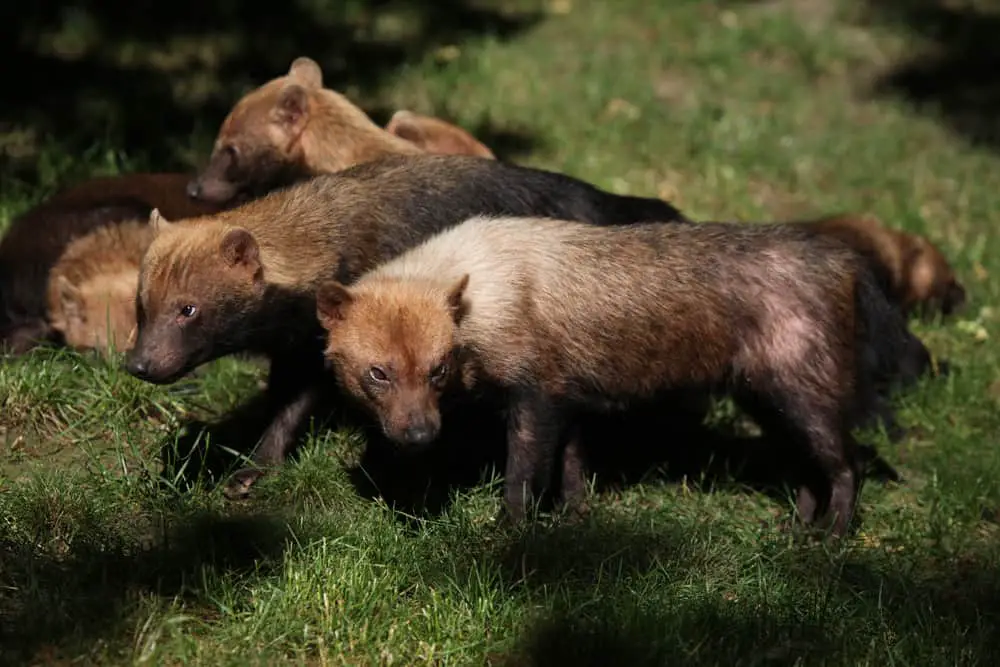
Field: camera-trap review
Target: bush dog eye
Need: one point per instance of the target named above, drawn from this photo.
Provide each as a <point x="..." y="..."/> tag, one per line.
<point x="438" y="372"/>
<point x="378" y="374"/>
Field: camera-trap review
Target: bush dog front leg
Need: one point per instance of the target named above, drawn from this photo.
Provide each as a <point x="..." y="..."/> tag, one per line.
<point x="293" y="391"/>
<point x="533" y="429"/>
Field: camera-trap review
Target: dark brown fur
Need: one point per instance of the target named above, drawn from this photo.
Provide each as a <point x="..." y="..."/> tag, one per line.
<point x="249" y="274"/>
<point x="35" y="241"/>
<point x="92" y="287"/>
<point x="910" y="269"/>
<point x="565" y="318"/>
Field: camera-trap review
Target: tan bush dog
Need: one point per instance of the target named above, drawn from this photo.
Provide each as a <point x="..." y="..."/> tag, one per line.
<point x="292" y="128"/>
<point x="244" y="280"/>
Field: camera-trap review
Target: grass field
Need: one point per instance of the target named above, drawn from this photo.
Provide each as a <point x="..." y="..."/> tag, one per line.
<point x="744" y="110"/>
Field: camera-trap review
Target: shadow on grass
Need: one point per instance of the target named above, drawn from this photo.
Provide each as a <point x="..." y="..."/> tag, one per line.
<point x="147" y="77"/>
<point x="655" y="445"/>
<point x="954" y="78"/>
<point x="818" y="607"/>
<point x="631" y="634"/>
<point x="51" y="602"/>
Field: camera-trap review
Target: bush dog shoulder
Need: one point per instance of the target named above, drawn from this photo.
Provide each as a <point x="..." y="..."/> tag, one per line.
<point x="244" y="280"/>
<point x="563" y="317"/>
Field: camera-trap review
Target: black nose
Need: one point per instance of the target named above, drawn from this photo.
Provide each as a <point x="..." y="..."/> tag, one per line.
<point x="419" y="434"/>
<point x="137" y="366"/>
<point x="194" y="189"/>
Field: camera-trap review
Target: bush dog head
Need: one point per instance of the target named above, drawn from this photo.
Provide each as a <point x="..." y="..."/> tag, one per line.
<point x="399" y="371"/>
<point x="91" y="290"/>
<point x="98" y="314"/>
<point x="911" y="270"/>
<point x="930" y="281"/>
<point x="288" y="129"/>
<point x="188" y="317"/>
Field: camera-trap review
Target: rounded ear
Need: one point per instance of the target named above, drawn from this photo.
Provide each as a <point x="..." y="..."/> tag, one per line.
<point x="239" y="248"/>
<point x="404" y="125"/>
<point x="456" y="303"/>
<point x="332" y="300"/>
<point x="157" y="221"/>
<point x="292" y="106"/>
<point x="307" y="72"/>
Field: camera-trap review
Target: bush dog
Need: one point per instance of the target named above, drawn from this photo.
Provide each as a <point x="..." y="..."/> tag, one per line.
<point x="909" y="268"/>
<point x="289" y="129"/>
<point x="244" y="280"/>
<point x="563" y="318"/>
<point x="91" y="293"/>
<point x="36" y="239"/>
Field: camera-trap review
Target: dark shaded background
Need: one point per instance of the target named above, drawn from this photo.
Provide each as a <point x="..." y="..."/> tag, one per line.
<point x="157" y="78"/>
<point x="956" y="76"/>
<point x="952" y="73"/>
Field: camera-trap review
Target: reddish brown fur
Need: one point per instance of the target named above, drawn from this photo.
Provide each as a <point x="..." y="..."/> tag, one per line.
<point x="91" y="293"/>
<point x="288" y="129"/>
<point x="434" y="135"/>
<point x="767" y="311"/>
<point x="912" y="271"/>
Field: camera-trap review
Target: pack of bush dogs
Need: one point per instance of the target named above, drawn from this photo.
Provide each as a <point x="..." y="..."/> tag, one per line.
<point x="409" y="272"/>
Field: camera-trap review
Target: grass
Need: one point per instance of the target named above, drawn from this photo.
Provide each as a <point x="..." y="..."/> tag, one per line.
<point x="734" y="111"/>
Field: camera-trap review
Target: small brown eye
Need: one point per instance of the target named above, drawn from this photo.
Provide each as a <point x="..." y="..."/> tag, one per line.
<point x="438" y="372"/>
<point x="377" y="374"/>
<point x="231" y="152"/>
<point x="188" y="311"/>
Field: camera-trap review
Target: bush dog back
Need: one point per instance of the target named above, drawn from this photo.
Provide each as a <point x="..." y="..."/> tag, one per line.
<point x="564" y="317"/>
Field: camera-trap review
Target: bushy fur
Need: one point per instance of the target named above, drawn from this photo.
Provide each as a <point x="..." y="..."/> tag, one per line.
<point x="565" y="318"/>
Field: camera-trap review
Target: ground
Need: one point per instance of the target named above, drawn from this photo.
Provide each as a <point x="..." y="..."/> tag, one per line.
<point x="733" y="110"/>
